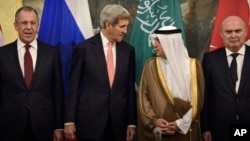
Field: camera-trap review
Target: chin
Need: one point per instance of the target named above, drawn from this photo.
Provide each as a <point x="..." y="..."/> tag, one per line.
<point x="119" y="40"/>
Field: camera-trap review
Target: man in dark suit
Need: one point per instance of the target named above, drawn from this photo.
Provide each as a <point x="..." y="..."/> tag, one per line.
<point x="227" y="93"/>
<point x="31" y="92"/>
<point x="98" y="109"/>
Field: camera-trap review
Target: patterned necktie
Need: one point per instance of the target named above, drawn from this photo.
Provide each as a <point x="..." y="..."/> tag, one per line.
<point x="28" y="66"/>
<point x="110" y="64"/>
<point x="233" y="67"/>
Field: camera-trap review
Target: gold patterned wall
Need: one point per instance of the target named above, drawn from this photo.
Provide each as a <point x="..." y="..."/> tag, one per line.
<point x="7" y="14"/>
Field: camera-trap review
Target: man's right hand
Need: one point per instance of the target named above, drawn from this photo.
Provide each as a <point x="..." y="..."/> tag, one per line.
<point x="69" y="132"/>
<point x="207" y="136"/>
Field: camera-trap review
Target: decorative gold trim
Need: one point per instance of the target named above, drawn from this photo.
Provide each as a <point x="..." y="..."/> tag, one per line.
<point x="163" y="81"/>
<point x="194" y="88"/>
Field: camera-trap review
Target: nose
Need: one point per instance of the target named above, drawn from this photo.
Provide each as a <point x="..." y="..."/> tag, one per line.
<point x="233" y="34"/>
<point x="124" y="30"/>
<point x="154" y="44"/>
<point x="28" y="25"/>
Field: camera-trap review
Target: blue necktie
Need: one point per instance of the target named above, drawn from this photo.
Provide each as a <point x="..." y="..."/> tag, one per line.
<point x="233" y="67"/>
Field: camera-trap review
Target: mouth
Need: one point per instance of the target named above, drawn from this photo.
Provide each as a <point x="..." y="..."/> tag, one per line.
<point x="27" y="34"/>
<point x="234" y="41"/>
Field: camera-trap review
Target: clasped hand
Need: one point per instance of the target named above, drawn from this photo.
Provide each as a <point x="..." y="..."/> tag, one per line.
<point x="168" y="128"/>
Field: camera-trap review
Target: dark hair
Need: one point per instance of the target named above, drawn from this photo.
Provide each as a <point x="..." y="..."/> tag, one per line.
<point x="25" y="8"/>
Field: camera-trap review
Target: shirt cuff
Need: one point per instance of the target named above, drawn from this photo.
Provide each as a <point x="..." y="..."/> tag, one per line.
<point x="59" y="129"/>
<point x="69" y="123"/>
<point x="133" y="126"/>
<point x="185" y="122"/>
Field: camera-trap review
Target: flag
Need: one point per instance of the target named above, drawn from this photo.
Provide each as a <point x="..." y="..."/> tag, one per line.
<point x="151" y="15"/>
<point x="63" y="24"/>
<point x="226" y="8"/>
<point x="1" y="37"/>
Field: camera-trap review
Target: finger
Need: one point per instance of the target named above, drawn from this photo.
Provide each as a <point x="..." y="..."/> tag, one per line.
<point x="129" y="136"/>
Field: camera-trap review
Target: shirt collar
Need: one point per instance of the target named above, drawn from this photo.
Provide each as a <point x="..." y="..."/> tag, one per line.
<point x="105" y="41"/>
<point x="241" y="51"/>
<point x="20" y="44"/>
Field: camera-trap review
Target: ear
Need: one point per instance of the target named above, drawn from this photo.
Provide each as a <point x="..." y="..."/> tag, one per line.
<point x="108" y="25"/>
<point x="15" y="25"/>
<point x="221" y="35"/>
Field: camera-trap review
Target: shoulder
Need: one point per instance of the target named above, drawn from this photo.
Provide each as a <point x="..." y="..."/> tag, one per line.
<point x="45" y="45"/>
<point x="46" y="48"/>
<point x="150" y="65"/>
<point x="96" y="39"/>
<point x="14" y="43"/>
<point x="150" y="61"/>
<point x="247" y="48"/>
<point x="221" y="52"/>
<point x="125" y="46"/>
<point x="247" y="45"/>
<point x="125" y="43"/>
<point x="8" y="47"/>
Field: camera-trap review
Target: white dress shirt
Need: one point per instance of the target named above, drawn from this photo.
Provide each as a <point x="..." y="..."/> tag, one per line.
<point x="239" y="60"/>
<point x="21" y="51"/>
<point x="105" y="43"/>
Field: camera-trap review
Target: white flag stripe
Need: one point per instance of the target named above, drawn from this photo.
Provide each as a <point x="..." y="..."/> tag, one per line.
<point x="81" y="13"/>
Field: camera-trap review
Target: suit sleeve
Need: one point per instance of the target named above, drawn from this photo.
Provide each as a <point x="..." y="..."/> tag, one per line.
<point x="131" y="85"/>
<point x="205" y="114"/>
<point x="73" y="85"/>
<point x="58" y="91"/>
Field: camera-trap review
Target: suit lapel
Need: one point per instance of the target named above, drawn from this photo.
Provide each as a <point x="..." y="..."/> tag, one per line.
<point x="39" y="64"/>
<point x="224" y="69"/>
<point x="98" y="52"/>
<point x="245" y="69"/>
<point x="14" y="61"/>
<point x="119" y="61"/>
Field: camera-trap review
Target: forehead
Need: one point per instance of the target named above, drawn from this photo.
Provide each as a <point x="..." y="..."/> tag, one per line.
<point x="27" y="15"/>
<point x="122" y="22"/>
<point x="232" y="24"/>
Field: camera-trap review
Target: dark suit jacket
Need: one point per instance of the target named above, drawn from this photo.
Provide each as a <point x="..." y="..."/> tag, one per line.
<point x="96" y="100"/>
<point x="222" y="104"/>
<point x="44" y="99"/>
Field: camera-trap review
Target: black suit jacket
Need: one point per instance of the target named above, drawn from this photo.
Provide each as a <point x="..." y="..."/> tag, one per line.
<point x="222" y="106"/>
<point x="44" y="99"/>
<point x="96" y="100"/>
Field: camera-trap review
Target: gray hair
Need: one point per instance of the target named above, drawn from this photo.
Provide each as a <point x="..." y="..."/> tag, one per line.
<point x="26" y="8"/>
<point x="112" y="13"/>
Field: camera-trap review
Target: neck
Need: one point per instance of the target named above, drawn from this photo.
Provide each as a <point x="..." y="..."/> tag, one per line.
<point x="106" y="34"/>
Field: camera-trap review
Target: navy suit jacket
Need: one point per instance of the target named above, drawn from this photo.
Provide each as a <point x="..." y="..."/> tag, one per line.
<point x="44" y="99"/>
<point x="91" y="100"/>
<point x="222" y="106"/>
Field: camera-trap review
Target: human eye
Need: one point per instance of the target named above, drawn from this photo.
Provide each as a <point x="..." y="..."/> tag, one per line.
<point x="238" y="31"/>
<point x="228" y="31"/>
<point x="33" y="22"/>
<point x="24" y="23"/>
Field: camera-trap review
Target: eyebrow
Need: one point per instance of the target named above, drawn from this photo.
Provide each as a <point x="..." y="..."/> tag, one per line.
<point x="236" y="30"/>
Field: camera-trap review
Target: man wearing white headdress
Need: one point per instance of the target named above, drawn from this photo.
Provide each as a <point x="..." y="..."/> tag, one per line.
<point x="171" y="90"/>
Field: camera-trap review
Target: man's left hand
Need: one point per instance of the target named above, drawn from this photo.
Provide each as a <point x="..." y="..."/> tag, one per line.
<point x="130" y="133"/>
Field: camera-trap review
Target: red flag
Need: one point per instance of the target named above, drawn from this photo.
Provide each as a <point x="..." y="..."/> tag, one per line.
<point x="227" y="8"/>
<point x="1" y="37"/>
